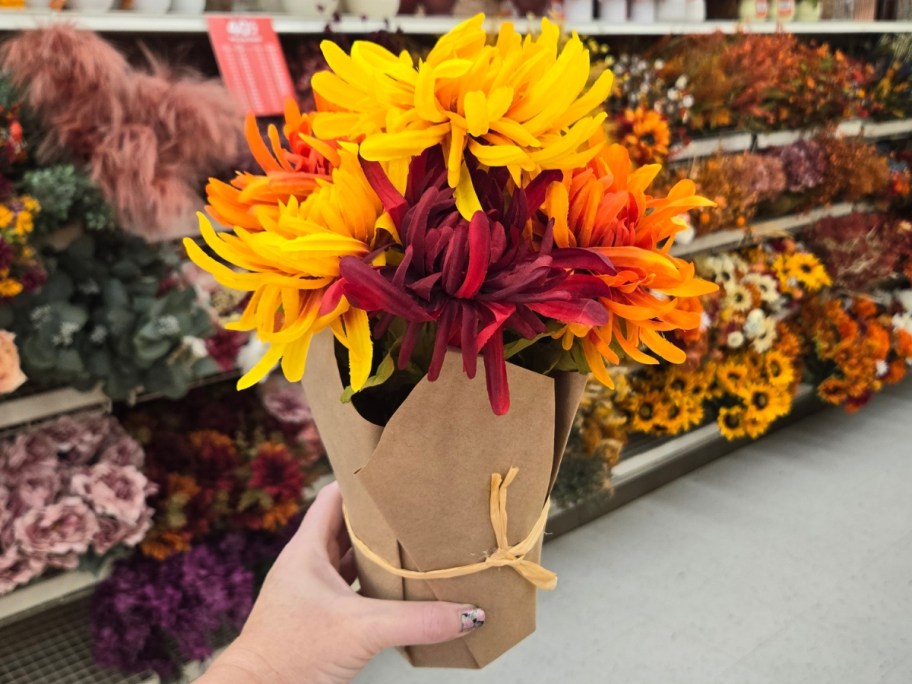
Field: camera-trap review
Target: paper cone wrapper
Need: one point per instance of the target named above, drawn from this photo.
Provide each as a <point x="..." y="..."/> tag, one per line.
<point x="417" y="491"/>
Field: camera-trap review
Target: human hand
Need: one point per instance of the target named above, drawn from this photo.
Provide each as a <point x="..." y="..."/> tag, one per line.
<point x="309" y="625"/>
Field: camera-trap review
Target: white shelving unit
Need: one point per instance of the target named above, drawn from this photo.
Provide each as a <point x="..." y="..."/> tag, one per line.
<point x="136" y="22"/>
<point x="756" y="232"/>
<point x="742" y="142"/>
<point x="37" y="407"/>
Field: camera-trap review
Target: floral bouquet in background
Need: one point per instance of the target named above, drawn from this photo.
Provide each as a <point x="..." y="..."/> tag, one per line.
<point x="746" y="364"/>
<point x="859" y="346"/>
<point x="225" y="463"/>
<point x="429" y="223"/>
<point x="738" y="185"/>
<point x="69" y="488"/>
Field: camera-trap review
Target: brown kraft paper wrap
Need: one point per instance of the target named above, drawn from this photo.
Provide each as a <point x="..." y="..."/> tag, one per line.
<point x="417" y="491"/>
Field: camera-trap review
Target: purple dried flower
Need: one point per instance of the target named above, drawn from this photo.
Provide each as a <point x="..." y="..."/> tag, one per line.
<point x="804" y="163"/>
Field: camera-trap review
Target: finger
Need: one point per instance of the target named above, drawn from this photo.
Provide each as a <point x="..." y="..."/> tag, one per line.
<point x="413" y="623"/>
<point x="323" y="521"/>
<point x="347" y="567"/>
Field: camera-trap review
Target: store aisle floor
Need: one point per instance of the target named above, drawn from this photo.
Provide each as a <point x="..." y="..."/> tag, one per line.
<point x="787" y="562"/>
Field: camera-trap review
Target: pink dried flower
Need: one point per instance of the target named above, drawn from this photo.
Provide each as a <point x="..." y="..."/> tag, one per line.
<point x="58" y="533"/>
<point x="287" y="405"/>
<point x="112" y="532"/>
<point x="78" y="439"/>
<point x="17" y="568"/>
<point x="26" y="449"/>
<point x="114" y="490"/>
<point x="123" y="452"/>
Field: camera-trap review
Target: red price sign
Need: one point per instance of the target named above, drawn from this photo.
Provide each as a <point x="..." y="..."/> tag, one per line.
<point x="251" y="61"/>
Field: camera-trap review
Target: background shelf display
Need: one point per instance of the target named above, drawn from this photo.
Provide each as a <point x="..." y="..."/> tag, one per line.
<point x="137" y="22"/>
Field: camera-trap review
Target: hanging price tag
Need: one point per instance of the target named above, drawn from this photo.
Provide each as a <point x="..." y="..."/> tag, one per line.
<point x="251" y="62"/>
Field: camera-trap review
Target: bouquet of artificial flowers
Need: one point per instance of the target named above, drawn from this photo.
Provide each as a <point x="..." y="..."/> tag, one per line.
<point x="430" y="222"/>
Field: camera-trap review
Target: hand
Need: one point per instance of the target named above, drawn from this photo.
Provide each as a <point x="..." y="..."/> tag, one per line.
<point x="308" y="625"/>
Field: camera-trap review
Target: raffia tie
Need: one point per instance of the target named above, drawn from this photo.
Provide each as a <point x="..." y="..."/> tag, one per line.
<point x="505" y="556"/>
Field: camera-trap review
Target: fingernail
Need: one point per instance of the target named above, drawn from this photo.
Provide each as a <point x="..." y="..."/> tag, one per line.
<point x="471" y="619"/>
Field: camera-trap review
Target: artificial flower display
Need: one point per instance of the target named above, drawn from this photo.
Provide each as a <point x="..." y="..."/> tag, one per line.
<point x="858" y="347"/>
<point x="223" y="463"/>
<point x="20" y="270"/>
<point x="158" y="615"/>
<point x="457" y="216"/>
<point x="110" y="313"/>
<point x="862" y="250"/>
<point x="69" y="489"/>
<point x="165" y="131"/>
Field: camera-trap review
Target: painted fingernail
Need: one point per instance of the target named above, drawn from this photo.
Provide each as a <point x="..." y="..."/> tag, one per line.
<point x="471" y="619"/>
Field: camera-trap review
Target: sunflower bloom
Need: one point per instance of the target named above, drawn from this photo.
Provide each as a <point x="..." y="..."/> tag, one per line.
<point x="293" y="172"/>
<point x="645" y="134"/>
<point x="290" y="266"/>
<point x="518" y="103"/>
<point x="604" y="208"/>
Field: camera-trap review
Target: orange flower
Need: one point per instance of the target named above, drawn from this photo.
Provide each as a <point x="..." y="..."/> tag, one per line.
<point x="604" y="207"/>
<point x="279" y="515"/>
<point x="165" y="544"/>
<point x="294" y="172"/>
<point x="904" y="344"/>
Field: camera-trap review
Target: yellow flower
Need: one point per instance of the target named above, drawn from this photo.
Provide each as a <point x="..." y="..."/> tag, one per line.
<point x="802" y="268"/>
<point x="778" y="368"/>
<point x="30" y="204"/>
<point x="645" y="133"/>
<point x="764" y="402"/>
<point x="6" y="216"/>
<point x="645" y="411"/>
<point x="738" y="297"/>
<point x="518" y="103"/>
<point x="731" y="422"/>
<point x="24" y="223"/>
<point x="290" y="263"/>
<point x="9" y="287"/>
<point x="731" y="374"/>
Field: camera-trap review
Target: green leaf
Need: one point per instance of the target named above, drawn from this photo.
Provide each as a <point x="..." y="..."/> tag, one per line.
<point x="68" y="361"/>
<point x="514" y="348"/>
<point x="384" y="372"/>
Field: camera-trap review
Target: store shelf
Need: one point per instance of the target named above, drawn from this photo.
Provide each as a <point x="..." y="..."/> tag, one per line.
<point x="45" y="593"/>
<point x="670" y="459"/>
<point x="136" y="22"/>
<point x="761" y="230"/>
<point x="742" y="142"/>
<point x="35" y="407"/>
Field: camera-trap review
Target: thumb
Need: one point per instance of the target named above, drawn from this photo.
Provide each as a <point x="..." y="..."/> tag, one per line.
<point x="415" y="623"/>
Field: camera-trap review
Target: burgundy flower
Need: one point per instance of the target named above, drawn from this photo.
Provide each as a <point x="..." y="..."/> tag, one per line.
<point x="224" y="347"/>
<point x="7" y="254"/>
<point x="34" y="278"/>
<point x="478" y="280"/>
<point x="58" y="533"/>
<point x="277" y="472"/>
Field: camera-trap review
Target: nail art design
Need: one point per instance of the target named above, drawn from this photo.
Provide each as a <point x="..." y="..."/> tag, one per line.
<point x="471" y="619"/>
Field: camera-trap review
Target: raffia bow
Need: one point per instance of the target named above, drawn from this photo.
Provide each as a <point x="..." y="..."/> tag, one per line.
<point x="505" y="556"/>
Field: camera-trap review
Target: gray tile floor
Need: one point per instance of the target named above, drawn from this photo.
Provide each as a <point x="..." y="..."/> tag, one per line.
<point x="787" y="562"/>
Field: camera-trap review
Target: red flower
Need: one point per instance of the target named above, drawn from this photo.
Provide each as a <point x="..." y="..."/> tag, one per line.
<point x="277" y="472"/>
<point x="224" y="347"/>
<point x="477" y="280"/>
